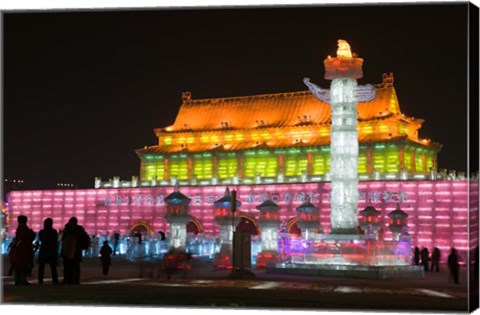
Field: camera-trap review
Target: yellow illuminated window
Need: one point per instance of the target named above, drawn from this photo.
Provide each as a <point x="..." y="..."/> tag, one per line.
<point x="383" y="128"/>
<point x="214" y="138"/>
<point x="379" y="158"/>
<point x="262" y="163"/>
<point x="368" y="129"/>
<point x="362" y="162"/>
<point x="228" y="137"/>
<point x="150" y="170"/>
<point x="204" y="139"/>
<point x="392" y="159"/>
<point x="179" y="168"/>
<point x="227" y="167"/>
<point x="295" y="164"/>
<point x="419" y="160"/>
<point x="321" y="163"/>
<point x="202" y="167"/>
<point x="324" y="132"/>
<point x="429" y="161"/>
<point x="265" y="136"/>
<point x="407" y="159"/>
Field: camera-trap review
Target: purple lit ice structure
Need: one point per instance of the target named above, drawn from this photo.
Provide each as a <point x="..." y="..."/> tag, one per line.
<point x="361" y="252"/>
<point x="438" y="210"/>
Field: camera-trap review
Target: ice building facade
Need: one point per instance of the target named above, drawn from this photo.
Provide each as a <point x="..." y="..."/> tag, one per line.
<point x="282" y="138"/>
<point x="272" y="147"/>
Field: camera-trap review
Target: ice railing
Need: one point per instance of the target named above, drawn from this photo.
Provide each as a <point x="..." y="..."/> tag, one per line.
<point x="345" y="252"/>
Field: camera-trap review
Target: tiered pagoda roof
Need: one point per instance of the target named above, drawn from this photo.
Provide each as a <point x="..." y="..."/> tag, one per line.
<point x="272" y="113"/>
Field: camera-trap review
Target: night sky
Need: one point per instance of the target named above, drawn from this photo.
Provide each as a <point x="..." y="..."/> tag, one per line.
<point x="84" y="89"/>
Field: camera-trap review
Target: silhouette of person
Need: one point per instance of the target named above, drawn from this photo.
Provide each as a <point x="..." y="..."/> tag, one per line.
<point x="116" y="239"/>
<point x="453" y="265"/>
<point x="138" y="235"/>
<point x="424" y="255"/>
<point x="416" y="256"/>
<point x="435" y="259"/>
<point x="21" y="252"/>
<point x="48" y="253"/>
<point x="74" y="240"/>
<point x="105" y="258"/>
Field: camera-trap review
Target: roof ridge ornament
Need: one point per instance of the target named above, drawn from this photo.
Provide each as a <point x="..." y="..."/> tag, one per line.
<point x="186" y="96"/>
<point x="387" y="79"/>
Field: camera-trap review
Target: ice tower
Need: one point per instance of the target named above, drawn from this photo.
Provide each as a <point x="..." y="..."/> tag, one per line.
<point x="343" y="96"/>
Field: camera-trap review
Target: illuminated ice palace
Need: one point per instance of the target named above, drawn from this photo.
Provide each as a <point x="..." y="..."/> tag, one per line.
<point x="320" y="175"/>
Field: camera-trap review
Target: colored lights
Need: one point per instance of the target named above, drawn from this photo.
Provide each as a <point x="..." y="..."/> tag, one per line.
<point x="291" y="162"/>
<point x="446" y="220"/>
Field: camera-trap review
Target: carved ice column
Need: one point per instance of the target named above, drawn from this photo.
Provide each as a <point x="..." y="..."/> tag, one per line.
<point x="177" y="207"/>
<point x="343" y="70"/>
<point x="308" y="219"/>
<point x="227" y="221"/>
<point x="269" y="223"/>
<point x="370" y="222"/>
<point x="398" y="224"/>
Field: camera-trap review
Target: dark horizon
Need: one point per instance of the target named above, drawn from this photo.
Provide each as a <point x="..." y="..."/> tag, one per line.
<point x="84" y="89"/>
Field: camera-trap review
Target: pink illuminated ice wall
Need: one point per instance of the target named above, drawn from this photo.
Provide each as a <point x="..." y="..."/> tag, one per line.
<point x="438" y="210"/>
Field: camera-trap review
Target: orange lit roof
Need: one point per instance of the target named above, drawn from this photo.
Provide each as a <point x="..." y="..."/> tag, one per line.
<point x="273" y="110"/>
<point x="288" y="120"/>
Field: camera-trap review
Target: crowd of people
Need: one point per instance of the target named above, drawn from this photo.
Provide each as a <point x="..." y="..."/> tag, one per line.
<point x="69" y="242"/>
<point x="432" y="262"/>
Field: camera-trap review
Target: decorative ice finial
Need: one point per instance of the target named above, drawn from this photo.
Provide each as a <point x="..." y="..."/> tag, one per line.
<point x="343" y="49"/>
<point x="177" y="187"/>
<point x="227" y="192"/>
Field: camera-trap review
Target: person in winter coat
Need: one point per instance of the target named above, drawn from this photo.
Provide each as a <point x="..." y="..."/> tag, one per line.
<point x="416" y="256"/>
<point x="48" y="253"/>
<point x="74" y="240"/>
<point x="424" y="255"/>
<point x="435" y="259"/>
<point x="21" y="252"/>
<point x="453" y="265"/>
<point x="105" y="258"/>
